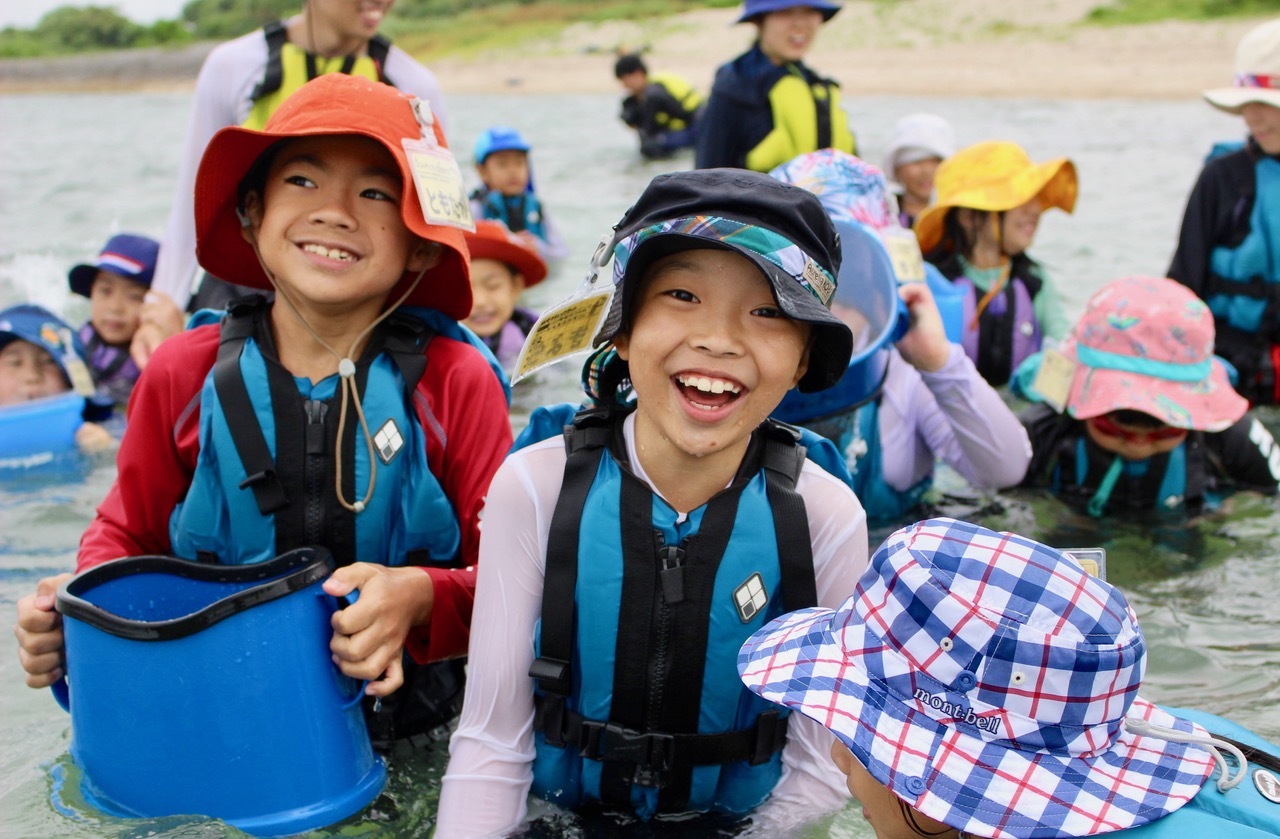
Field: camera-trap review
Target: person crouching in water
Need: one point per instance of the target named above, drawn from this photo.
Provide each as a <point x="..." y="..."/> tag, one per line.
<point x="981" y="684"/>
<point x="989" y="201"/>
<point x="1151" y="419"/>
<point x="331" y="416"/>
<point x="625" y="560"/>
<point x="503" y="265"/>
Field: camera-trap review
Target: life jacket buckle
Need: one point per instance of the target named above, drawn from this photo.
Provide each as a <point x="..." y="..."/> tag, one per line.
<point x="653" y="754"/>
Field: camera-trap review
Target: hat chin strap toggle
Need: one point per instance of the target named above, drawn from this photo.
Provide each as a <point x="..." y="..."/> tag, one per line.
<point x="1144" y="728"/>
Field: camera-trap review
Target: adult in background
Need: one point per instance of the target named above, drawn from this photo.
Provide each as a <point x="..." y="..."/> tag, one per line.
<point x="766" y="106"/>
<point x="242" y="82"/>
<point x="1229" y="247"/>
<point x="662" y="108"/>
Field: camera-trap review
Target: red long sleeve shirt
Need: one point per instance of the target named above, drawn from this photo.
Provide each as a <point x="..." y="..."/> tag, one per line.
<point x="460" y="405"/>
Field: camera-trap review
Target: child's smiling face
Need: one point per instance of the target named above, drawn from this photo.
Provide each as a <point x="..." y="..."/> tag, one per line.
<point x="710" y="352"/>
<point x="115" y="307"/>
<point x="28" y="372"/>
<point x="495" y="290"/>
<point x="328" y="226"/>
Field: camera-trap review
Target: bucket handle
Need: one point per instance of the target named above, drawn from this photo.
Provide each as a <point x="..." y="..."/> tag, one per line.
<point x="343" y="602"/>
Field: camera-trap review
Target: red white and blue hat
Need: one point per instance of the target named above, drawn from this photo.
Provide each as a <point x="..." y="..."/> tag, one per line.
<point x="125" y="254"/>
<point x="986" y="680"/>
<point x="1257" y="76"/>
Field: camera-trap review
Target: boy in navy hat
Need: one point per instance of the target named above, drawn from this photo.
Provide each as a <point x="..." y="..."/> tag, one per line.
<point x="116" y="284"/>
<point x="507" y="194"/>
<point x="627" y="559"/>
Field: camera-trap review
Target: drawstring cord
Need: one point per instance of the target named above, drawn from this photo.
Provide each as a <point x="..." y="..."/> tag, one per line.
<point x="347" y="383"/>
<point x="1098" y="503"/>
<point x="1144" y="728"/>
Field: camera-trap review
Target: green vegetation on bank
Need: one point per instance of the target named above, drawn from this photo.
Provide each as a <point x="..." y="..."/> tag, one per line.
<point x="1121" y="12"/>
<point x="435" y="27"/>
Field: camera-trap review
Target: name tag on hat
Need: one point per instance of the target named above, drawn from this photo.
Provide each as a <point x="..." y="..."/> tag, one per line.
<point x="561" y="331"/>
<point x="1053" y="379"/>
<point x="440" y="189"/>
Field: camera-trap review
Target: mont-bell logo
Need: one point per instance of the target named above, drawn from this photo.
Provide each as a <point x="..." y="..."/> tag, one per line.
<point x="750" y="597"/>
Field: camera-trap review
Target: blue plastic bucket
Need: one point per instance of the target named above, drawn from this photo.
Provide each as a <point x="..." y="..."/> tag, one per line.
<point x="35" y="432"/>
<point x="866" y="298"/>
<point x="209" y="690"/>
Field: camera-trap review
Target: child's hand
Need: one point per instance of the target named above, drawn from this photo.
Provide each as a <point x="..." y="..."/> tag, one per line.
<point x="92" y="438"/>
<point x="925" y="346"/>
<point x="160" y="319"/>
<point x="368" y="636"/>
<point x="39" y="633"/>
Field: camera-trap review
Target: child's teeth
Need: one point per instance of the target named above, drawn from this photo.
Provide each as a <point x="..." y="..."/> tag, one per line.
<point x="333" y="253"/>
<point x="707" y="385"/>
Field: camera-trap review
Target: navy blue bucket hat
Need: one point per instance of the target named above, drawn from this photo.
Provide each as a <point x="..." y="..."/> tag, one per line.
<point x="752" y="9"/>
<point x="37" y="325"/>
<point x="782" y="229"/>
<point x="126" y="254"/>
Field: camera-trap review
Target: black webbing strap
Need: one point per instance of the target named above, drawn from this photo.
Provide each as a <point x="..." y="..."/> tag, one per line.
<point x="237" y="407"/>
<point x="405" y="340"/>
<point x="822" y="109"/>
<point x="379" y="48"/>
<point x="660" y="754"/>
<point x="553" y="669"/>
<point x="274" y="75"/>
<point x="783" y="460"/>
<point x="348" y="63"/>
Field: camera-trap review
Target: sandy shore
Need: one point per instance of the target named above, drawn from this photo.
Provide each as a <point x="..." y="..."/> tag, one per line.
<point x="1037" y="48"/>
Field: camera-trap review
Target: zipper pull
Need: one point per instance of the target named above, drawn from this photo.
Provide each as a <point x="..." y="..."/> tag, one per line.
<point x="671" y="571"/>
<point x="315" y="436"/>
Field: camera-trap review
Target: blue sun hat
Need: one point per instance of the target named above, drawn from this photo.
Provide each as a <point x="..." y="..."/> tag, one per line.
<point x="502" y="138"/>
<point x="125" y="254"/>
<point x="37" y="325"/>
<point x="990" y="683"/>
<point x="753" y="8"/>
<point x="854" y="194"/>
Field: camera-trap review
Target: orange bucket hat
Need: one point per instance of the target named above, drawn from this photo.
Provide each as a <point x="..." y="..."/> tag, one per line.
<point x="492" y="240"/>
<point x="994" y="176"/>
<point x="332" y="104"/>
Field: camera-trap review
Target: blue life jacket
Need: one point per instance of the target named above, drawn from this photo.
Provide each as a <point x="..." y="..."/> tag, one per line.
<point x="629" y="580"/>
<point x="517" y="212"/>
<point x="857" y="435"/>
<point x="1239" y="813"/>
<point x="1243" y="290"/>
<point x="265" y="477"/>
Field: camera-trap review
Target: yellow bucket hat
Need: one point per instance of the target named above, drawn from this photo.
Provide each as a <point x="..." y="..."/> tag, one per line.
<point x="994" y="176"/>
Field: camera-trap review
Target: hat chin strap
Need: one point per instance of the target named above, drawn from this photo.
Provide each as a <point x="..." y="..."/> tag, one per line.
<point x="1144" y="728"/>
<point x="347" y="382"/>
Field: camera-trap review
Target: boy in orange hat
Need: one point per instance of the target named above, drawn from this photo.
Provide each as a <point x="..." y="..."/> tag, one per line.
<point x="503" y="265"/>
<point x="1231" y="229"/>
<point x="352" y="412"/>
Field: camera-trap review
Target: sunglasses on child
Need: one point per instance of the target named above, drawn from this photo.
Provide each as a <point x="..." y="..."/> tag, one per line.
<point x="1109" y="426"/>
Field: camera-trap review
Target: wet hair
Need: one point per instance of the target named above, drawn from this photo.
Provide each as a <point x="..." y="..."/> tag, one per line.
<point x="628" y="63"/>
<point x="255" y="180"/>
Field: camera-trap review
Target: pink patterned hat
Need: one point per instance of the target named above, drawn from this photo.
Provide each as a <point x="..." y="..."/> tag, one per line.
<point x="1146" y="344"/>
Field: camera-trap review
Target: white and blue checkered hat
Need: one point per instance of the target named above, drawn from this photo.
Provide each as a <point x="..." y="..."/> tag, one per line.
<point x="984" y="679"/>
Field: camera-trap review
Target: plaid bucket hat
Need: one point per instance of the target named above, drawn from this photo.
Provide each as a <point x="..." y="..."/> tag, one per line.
<point x="989" y="682"/>
<point x="334" y="104"/>
<point x="994" y="176"/>
<point x="127" y="255"/>
<point x="1146" y="344"/>
<point x="782" y="229"/>
<point x="1257" y="76"/>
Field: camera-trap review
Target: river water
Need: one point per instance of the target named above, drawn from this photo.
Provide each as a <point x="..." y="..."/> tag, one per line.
<point x="75" y="168"/>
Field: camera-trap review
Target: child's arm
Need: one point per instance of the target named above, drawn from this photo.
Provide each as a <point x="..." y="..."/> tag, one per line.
<point x="91" y="438"/>
<point x="468" y="433"/>
<point x="811" y="786"/>
<point x="157" y="456"/>
<point x="491" y="753"/>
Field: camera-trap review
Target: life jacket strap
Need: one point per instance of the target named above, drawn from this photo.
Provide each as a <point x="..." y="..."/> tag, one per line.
<point x="655" y="754"/>
<point x="251" y="444"/>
